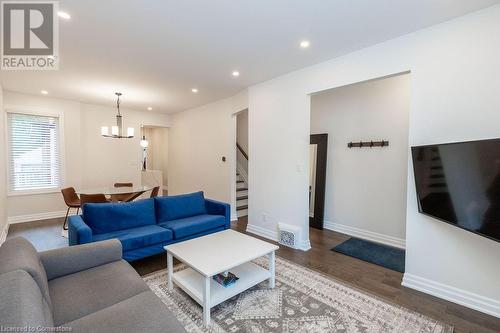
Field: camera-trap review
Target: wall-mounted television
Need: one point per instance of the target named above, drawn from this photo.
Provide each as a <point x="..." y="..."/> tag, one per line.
<point x="459" y="183"/>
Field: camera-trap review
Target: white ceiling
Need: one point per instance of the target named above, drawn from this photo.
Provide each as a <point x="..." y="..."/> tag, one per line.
<point x="155" y="51"/>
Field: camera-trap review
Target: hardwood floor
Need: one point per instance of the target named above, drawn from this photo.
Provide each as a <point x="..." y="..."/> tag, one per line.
<point x="373" y="279"/>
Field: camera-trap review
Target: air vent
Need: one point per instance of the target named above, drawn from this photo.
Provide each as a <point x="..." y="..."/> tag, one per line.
<point x="288" y="235"/>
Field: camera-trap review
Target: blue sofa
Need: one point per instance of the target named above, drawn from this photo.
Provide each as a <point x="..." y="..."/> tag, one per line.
<point x="144" y="227"/>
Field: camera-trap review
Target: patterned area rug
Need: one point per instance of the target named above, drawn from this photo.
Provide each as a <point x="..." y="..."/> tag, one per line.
<point x="303" y="301"/>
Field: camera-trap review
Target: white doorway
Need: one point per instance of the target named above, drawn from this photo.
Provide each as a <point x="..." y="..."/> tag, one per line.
<point x="366" y="191"/>
<point x="241" y="165"/>
<point x="155" y="157"/>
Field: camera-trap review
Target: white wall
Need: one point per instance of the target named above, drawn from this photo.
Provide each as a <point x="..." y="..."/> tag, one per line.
<point x="242" y="130"/>
<point x="47" y="203"/>
<point x="198" y="139"/>
<point x="279" y="149"/>
<point x="242" y="140"/>
<point x="157" y="153"/>
<point x="454" y="96"/>
<point x="111" y="160"/>
<point x="90" y="159"/>
<point x="366" y="188"/>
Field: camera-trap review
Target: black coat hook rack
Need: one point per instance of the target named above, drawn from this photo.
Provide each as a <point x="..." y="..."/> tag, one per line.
<point x="370" y="144"/>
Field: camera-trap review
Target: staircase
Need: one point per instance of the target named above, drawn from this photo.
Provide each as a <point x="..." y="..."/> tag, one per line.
<point x="241" y="196"/>
<point x="241" y="181"/>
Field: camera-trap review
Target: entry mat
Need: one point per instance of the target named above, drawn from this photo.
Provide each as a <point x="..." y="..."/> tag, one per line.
<point x="378" y="254"/>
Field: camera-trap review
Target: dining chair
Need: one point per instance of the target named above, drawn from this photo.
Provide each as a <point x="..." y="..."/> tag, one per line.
<point x="124" y="184"/>
<point x="154" y="192"/>
<point x="122" y="197"/>
<point x="72" y="201"/>
<point x="93" y="198"/>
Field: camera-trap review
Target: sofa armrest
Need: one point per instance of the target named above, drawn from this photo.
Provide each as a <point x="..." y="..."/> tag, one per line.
<point x="69" y="260"/>
<point x="219" y="208"/>
<point x="78" y="231"/>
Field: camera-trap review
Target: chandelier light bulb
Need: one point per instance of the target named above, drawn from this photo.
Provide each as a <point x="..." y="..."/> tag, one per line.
<point x="144" y="142"/>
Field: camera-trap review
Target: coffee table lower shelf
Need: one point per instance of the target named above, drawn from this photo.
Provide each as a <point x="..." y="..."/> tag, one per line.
<point x="193" y="283"/>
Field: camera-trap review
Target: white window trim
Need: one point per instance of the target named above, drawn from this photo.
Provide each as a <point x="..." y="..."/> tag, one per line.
<point x="35" y="111"/>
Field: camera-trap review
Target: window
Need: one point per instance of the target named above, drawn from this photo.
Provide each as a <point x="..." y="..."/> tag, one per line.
<point x="34" y="157"/>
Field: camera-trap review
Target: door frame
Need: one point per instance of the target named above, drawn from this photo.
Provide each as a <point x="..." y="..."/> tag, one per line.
<point x="321" y="140"/>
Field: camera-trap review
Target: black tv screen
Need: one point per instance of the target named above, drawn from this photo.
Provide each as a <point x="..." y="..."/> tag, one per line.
<point x="459" y="183"/>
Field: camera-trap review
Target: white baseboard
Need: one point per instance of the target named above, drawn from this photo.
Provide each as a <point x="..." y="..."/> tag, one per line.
<point x="36" y="217"/>
<point x="305" y="245"/>
<point x="452" y="294"/>
<point x="262" y="232"/>
<point x="365" y="234"/>
<point x="273" y="235"/>
<point x="3" y="233"/>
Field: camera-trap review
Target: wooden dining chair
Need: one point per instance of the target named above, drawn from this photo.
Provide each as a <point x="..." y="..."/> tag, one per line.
<point x="154" y="192"/>
<point x="72" y="201"/>
<point x="93" y="198"/>
<point x="122" y="197"/>
<point x="124" y="184"/>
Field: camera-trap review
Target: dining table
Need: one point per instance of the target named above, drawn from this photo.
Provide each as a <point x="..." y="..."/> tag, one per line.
<point x="133" y="191"/>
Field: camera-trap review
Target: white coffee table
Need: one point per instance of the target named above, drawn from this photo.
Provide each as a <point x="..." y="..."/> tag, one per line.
<point x="210" y="255"/>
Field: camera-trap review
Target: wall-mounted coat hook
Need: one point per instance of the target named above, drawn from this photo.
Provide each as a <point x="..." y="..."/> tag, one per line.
<point x="370" y="144"/>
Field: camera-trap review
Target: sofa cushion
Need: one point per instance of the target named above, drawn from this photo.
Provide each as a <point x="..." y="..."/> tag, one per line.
<point x="22" y="303"/>
<point x="142" y="313"/>
<point x="18" y="253"/>
<point x="136" y="238"/>
<point x="179" y="206"/>
<point x="193" y="225"/>
<point x="107" y="217"/>
<point x="80" y="294"/>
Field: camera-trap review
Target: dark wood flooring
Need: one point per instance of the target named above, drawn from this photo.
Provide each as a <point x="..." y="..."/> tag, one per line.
<point x="373" y="279"/>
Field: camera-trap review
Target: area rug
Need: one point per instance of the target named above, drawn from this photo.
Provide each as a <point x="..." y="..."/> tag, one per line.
<point x="378" y="254"/>
<point x="303" y="301"/>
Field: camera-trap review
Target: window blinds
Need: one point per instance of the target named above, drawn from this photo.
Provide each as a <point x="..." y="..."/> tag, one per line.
<point x="34" y="157"/>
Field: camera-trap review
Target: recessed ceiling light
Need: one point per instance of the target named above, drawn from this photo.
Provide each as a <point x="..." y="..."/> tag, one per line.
<point x="44" y="92"/>
<point x="304" y="44"/>
<point x="236" y="73"/>
<point x="64" y="15"/>
<point x="194" y="90"/>
<point x="150" y="108"/>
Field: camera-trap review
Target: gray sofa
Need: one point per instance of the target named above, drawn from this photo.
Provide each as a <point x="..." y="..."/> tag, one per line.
<point x="84" y="288"/>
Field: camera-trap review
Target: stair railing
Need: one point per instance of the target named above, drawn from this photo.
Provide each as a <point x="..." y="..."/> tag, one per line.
<point x="245" y="155"/>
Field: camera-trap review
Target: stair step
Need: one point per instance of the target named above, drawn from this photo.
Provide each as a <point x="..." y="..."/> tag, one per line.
<point x="241" y="189"/>
<point x="241" y="203"/>
<point x="240" y="181"/>
<point x="242" y="213"/>
<point x="437" y="176"/>
<point x="244" y="197"/>
<point x="242" y="207"/>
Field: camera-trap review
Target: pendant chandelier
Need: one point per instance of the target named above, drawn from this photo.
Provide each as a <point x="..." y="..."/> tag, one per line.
<point x="117" y="131"/>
